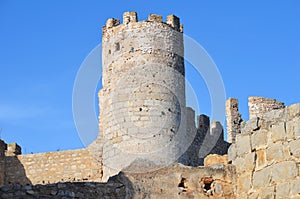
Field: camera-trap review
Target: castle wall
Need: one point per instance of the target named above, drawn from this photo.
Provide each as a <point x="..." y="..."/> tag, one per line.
<point x="258" y="106"/>
<point x="142" y="101"/>
<point x="207" y="139"/>
<point x="233" y="119"/>
<point x="52" y="167"/>
<point x="267" y="155"/>
<point x="175" y="181"/>
<point x="2" y="164"/>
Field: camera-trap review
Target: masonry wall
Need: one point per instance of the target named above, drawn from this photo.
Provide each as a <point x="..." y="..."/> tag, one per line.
<point x="258" y="106"/>
<point x="142" y="100"/>
<point x="44" y="168"/>
<point x="2" y="165"/>
<point x="174" y="181"/>
<point x="267" y="155"/>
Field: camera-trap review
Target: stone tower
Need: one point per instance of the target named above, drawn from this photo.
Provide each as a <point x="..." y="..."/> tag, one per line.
<point x="142" y="100"/>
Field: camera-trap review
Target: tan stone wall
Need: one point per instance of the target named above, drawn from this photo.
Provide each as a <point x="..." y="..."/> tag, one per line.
<point x="142" y="101"/>
<point x="258" y="106"/>
<point x="44" y="168"/>
<point x="267" y="155"/>
<point x="175" y="181"/>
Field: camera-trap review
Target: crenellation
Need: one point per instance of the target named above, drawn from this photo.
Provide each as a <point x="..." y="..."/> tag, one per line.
<point x="155" y="18"/>
<point x="129" y="17"/>
<point x="203" y="121"/>
<point x="112" y="22"/>
<point x="13" y="149"/>
<point x="174" y="22"/>
<point x="216" y="130"/>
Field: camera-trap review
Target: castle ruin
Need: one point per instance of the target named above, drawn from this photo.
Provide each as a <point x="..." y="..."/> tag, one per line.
<point x="149" y="145"/>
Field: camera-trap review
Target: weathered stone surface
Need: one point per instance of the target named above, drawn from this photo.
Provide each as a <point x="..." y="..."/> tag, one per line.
<point x="278" y="132"/>
<point x="233" y="119"/>
<point x="232" y="153"/>
<point x="244" y="182"/>
<point x="52" y="167"/>
<point x="258" y="106"/>
<point x="284" y="171"/>
<point x="283" y="190"/>
<point x="213" y="159"/>
<point x="295" y="148"/>
<point x="246" y="163"/>
<point x="251" y="125"/>
<point x="294" y="110"/>
<point x="268" y="193"/>
<point x="243" y="144"/>
<point x="262" y="178"/>
<point x="260" y="159"/>
<point x="259" y="139"/>
<point x="295" y="187"/>
<point x="275" y="152"/>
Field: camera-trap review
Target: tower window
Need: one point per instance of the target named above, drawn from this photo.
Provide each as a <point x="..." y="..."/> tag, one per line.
<point x="117" y="46"/>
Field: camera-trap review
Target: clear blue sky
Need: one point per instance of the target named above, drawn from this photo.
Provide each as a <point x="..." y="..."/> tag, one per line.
<point x="255" y="45"/>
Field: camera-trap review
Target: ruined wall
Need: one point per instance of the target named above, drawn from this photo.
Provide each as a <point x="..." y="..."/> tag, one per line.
<point x="258" y="106"/>
<point x="175" y="181"/>
<point x="2" y="166"/>
<point x="267" y="155"/>
<point x="207" y="138"/>
<point x="233" y="119"/>
<point x="52" y="167"/>
<point x="142" y="101"/>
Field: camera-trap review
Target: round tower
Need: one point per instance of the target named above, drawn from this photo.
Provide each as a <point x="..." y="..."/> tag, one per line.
<point x="142" y="100"/>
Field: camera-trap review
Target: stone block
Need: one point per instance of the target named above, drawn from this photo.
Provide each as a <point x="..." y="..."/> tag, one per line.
<point x="260" y="159"/>
<point x="246" y="163"/>
<point x="284" y="171"/>
<point x="295" y="187"/>
<point x="244" y="182"/>
<point x="259" y="139"/>
<point x="251" y="125"/>
<point x="232" y="153"/>
<point x="253" y="195"/>
<point x="267" y="193"/>
<point x="283" y="190"/>
<point x="243" y="144"/>
<point x="262" y="178"/>
<point x="275" y="152"/>
<point x="213" y="159"/>
<point x="294" y="110"/>
<point x="290" y="133"/>
<point x="295" y="148"/>
<point x="278" y="132"/>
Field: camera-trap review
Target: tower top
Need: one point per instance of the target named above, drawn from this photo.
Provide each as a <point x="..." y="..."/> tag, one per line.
<point x="132" y="17"/>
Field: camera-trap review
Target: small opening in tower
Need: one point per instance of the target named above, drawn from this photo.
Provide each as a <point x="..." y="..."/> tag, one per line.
<point x="132" y="50"/>
<point x="109" y="52"/>
<point x="141" y="109"/>
<point x="117" y="46"/>
<point x="207" y="181"/>
<point x="183" y="185"/>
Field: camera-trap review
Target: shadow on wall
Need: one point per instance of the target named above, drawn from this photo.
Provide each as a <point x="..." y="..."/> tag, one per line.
<point x="14" y="171"/>
<point x="119" y="187"/>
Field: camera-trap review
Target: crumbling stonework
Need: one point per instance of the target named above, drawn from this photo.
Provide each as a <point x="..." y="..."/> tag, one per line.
<point x="175" y="181"/>
<point x="260" y="105"/>
<point x="233" y="119"/>
<point x="267" y="155"/>
<point x="142" y="105"/>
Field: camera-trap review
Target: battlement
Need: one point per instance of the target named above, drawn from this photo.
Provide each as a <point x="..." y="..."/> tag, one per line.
<point x="132" y="17"/>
